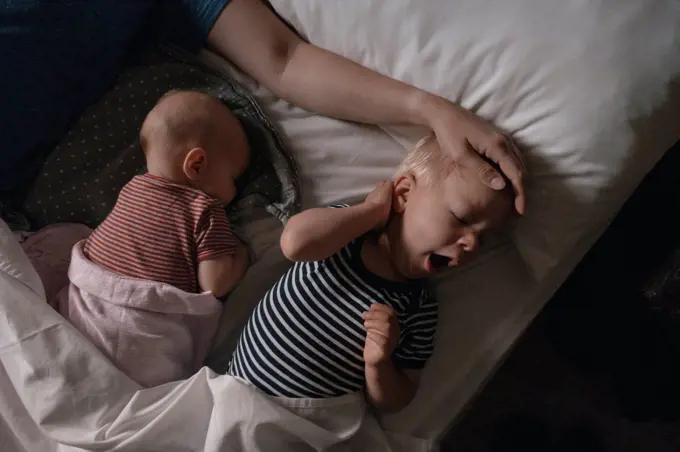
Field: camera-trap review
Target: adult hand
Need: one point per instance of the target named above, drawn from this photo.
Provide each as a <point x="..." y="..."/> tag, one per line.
<point x="252" y="37"/>
<point x="466" y="137"/>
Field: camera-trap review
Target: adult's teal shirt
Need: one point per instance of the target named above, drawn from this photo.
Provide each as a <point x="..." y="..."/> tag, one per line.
<point x="59" y="56"/>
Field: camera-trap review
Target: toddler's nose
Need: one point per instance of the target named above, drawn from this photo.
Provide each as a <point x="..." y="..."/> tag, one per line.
<point x="469" y="242"/>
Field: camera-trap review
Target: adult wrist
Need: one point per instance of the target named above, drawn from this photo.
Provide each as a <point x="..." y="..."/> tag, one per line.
<point x="422" y="107"/>
<point x="435" y="111"/>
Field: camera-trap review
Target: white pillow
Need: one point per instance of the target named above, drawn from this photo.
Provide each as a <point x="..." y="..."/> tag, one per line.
<point x="565" y="79"/>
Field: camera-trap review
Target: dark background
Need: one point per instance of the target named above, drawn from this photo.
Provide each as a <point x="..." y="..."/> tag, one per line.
<point x="599" y="369"/>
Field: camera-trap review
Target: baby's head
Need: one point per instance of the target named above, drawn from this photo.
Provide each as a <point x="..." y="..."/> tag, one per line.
<point x="441" y="211"/>
<point x="193" y="139"/>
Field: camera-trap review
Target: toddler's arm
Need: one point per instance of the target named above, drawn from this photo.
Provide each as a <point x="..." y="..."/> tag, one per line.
<point x="220" y="275"/>
<point x="316" y="234"/>
<point x="388" y="388"/>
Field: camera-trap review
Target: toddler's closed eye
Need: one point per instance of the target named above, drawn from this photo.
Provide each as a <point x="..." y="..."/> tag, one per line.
<point x="460" y="220"/>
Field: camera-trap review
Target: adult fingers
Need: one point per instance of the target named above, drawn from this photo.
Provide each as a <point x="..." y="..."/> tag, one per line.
<point x="504" y="153"/>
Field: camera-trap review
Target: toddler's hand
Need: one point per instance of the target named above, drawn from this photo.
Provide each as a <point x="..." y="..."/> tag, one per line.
<point x="382" y="334"/>
<point x="381" y="200"/>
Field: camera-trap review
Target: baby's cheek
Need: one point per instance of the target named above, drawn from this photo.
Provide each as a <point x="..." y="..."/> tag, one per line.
<point x="228" y="191"/>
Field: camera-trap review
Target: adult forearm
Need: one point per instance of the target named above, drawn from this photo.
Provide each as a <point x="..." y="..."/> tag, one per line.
<point x="387" y="388"/>
<point x="253" y="38"/>
<point x="321" y="81"/>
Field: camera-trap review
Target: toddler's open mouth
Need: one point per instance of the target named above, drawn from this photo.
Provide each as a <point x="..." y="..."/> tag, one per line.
<point x="439" y="262"/>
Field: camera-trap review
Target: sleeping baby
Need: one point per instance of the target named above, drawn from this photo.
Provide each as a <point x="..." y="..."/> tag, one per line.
<point x="169" y="225"/>
<point x="144" y="284"/>
<point x="353" y="312"/>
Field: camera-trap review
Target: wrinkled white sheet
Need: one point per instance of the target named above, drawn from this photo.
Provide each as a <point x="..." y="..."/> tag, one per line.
<point x="153" y="332"/>
<point x="52" y="377"/>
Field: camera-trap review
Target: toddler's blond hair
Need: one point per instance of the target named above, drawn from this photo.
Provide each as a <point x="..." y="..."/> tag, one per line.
<point x="426" y="162"/>
<point x="429" y="165"/>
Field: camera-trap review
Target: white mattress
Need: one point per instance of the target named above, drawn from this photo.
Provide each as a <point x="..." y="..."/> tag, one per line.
<point x="483" y="308"/>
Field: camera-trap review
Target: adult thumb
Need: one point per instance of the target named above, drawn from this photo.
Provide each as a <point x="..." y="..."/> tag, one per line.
<point x="490" y="175"/>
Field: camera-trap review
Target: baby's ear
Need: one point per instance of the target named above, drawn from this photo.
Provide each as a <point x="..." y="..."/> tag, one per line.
<point x="194" y="164"/>
<point x="403" y="185"/>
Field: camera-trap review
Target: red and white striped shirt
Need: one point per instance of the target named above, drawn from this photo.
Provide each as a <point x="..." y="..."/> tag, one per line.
<point x="160" y="231"/>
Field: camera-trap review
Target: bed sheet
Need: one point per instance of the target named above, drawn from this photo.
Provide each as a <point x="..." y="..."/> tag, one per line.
<point x="59" y="393"/>
<point x="484" y="308"/>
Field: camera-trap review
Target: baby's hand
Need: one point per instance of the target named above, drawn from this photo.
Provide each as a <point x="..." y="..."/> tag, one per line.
<point x="382" y="334"/>
<point x="381" y="200"/>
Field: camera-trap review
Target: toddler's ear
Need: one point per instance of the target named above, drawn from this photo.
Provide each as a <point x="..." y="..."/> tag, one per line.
<point x="403" y="185"/>
<point x="194" y="164"/>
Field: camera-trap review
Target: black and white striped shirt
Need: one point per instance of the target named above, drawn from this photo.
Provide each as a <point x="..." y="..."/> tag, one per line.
<point x="306" y="336"/>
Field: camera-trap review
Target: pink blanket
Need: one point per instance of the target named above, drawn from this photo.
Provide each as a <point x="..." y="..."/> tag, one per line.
<point x="153" y="332"/>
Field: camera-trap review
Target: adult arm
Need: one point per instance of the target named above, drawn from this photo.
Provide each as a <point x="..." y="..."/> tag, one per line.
<point x="252" y="37"/>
